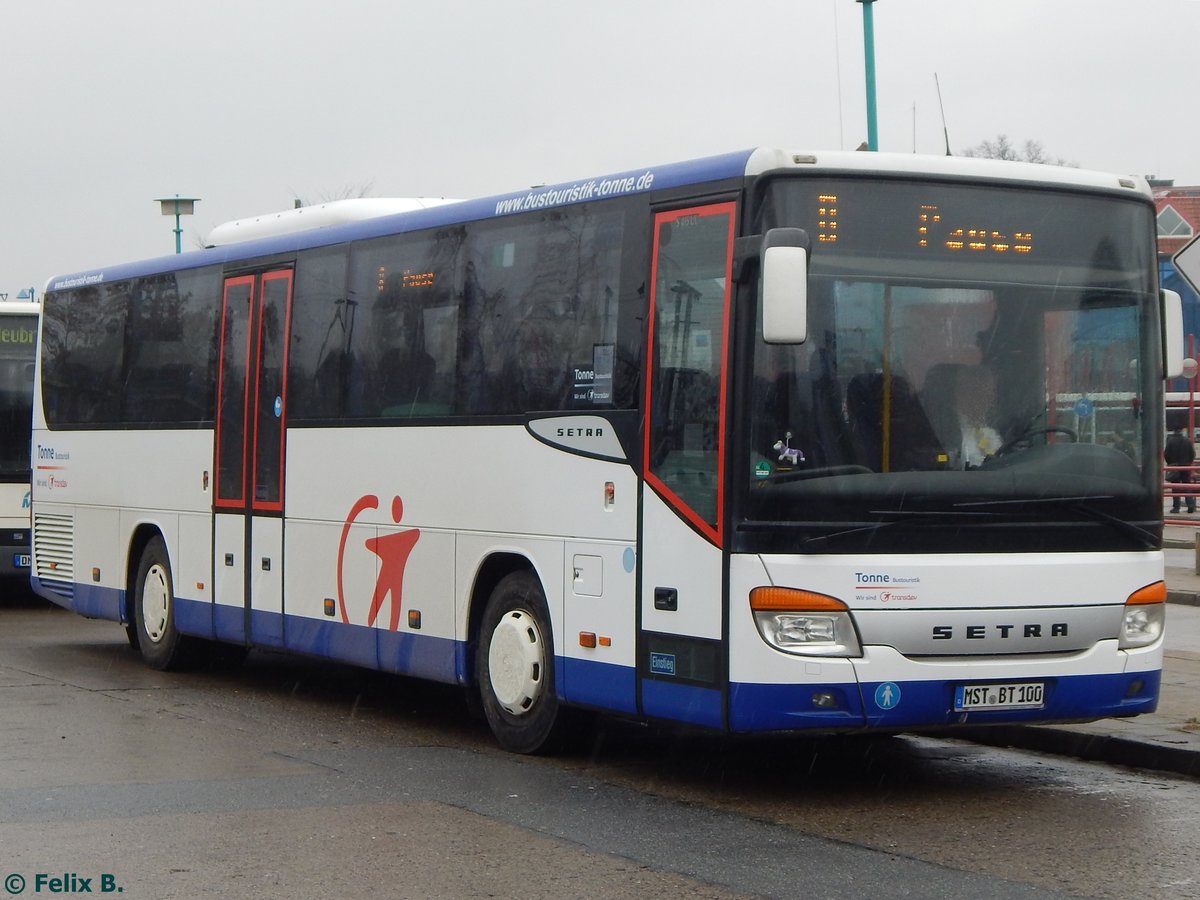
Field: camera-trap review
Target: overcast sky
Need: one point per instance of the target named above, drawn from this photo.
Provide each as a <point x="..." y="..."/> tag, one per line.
<point x="248" y="104"/>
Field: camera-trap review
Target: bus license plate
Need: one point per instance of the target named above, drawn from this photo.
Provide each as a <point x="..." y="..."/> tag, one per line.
<point x="21" y="560"/>
<point x="1024" y="695"/>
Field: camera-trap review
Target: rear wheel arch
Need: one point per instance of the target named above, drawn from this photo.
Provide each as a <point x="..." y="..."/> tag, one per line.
<point x="142" y="535"/>
<point x="153" y="607"/>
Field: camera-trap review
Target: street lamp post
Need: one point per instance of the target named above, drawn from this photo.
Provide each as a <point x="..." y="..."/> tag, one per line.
<point x="869" y="57"/>
<point x="178" y="206"/>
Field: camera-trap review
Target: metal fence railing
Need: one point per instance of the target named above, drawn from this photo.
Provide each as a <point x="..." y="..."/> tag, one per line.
<point x="1186" y="490"/>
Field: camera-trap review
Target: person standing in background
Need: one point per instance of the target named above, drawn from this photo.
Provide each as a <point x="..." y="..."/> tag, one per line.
<point x="1180" y="452"/>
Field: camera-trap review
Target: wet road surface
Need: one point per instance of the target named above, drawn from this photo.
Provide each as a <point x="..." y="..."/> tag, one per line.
<point x="295" y="778"/>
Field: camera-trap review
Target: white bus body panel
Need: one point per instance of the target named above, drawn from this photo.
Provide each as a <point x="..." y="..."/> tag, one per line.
<point x="683" y="560"/>
<point x="598" y="591"/>
<point x="447" y="477"/>
<point x="158" y="483"/>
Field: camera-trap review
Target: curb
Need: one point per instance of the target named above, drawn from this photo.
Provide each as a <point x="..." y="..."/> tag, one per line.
<point x="1091" y="747"/>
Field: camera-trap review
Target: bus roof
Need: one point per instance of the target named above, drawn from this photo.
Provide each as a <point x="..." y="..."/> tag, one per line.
<point x="957" y="167"/>
<point x="744" y="163"/>
<point x="322" y="215"/>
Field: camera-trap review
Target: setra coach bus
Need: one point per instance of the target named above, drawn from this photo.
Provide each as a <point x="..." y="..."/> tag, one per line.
<point x="768" y="441"/>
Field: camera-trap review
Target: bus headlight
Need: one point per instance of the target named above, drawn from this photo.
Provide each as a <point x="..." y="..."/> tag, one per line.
<point x="1145" y="616"/>
<point x="804" y="623"/>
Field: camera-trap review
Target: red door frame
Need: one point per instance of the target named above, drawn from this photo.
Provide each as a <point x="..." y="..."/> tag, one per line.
<point x="715" y="532"/>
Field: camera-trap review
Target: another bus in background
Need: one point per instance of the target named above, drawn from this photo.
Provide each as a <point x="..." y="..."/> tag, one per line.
<point x="18" y="342"/>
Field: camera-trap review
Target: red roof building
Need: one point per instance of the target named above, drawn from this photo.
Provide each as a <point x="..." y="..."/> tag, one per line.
<point x="1178" y="211"/>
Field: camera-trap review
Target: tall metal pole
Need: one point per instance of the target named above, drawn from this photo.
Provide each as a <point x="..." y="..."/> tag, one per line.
<point x="177" y="206"/>
<point x="869" y="56"/>
<point x="1191" y="426"/>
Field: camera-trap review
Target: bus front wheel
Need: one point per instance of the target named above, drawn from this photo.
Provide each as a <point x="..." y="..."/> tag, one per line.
<point x="515" y="663"/>
<point x="161" y="644"/>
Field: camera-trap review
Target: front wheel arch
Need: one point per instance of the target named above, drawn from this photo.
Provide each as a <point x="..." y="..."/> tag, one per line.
<point x="515" y="666"/>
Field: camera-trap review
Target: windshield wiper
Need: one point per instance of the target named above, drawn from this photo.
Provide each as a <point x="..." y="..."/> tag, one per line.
<point x="1079" y="504"/>
<point x="903" y="515"/>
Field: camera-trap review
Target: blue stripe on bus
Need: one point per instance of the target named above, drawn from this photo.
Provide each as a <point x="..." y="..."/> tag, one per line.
<point x="398" y="652"/>
<point x="697" y="171"/>
<point x="418" y="655"/>
<point x="226" y="623"/>
<point x="923" y="704"/>
<point x="682" y="703"/>
<point x="784" y="707"/>
<point x="194" y="617"/>
<point x="1066" y="697"/>
<point x="600" y="685"/>
<point x="402" y="653"/>
<point x="97" y="602"/>
<point x="354" y="644"/>
<point x="752" y="707"/>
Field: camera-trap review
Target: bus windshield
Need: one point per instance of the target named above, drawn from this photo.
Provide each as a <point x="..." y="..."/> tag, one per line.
<point x="18" y="340"/>
<point x="977" y="361"/>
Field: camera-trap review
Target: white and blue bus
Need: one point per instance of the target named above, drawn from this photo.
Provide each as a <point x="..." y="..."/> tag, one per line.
<point x="18" y="342"/>
<point x="676" y="444"/>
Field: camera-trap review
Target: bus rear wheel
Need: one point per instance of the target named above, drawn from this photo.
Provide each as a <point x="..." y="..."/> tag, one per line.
<point x="515" y="662"/>
<point x="160" y="643"/>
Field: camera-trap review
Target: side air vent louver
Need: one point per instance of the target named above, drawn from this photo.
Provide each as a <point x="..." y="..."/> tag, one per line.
<point x="54" y="553"/>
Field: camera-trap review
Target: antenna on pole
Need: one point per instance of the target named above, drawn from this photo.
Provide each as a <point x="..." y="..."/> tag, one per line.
<point x="837" y="62"/>
<point x="942" y="110"/>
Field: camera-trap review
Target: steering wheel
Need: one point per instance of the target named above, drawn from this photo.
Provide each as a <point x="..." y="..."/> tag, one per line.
<point x="1025" y="440"/>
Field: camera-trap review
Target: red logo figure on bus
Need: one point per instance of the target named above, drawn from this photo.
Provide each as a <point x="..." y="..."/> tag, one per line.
<point x="393" y="551"/>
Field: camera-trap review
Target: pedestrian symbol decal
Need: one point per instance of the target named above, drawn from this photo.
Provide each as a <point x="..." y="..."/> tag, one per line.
<point x="887" y="695"/>
<point x="393" y="551"/>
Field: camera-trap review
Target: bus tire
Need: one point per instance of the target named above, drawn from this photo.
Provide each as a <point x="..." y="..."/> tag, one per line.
<point x="160" y="643"/>
<point x="515" y="663"/>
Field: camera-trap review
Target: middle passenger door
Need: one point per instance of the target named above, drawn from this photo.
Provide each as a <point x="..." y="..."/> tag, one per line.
<point x="249" y="451"/>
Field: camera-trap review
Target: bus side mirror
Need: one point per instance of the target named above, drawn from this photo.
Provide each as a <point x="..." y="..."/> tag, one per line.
<point x="785" y="285"/>
<point x="1172" y="324"/>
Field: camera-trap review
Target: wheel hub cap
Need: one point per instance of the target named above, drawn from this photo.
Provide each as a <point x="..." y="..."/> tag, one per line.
<point x="516" y="663"/>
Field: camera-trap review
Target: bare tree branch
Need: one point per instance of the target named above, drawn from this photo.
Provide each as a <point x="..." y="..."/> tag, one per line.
<point x="1002" y="148"/>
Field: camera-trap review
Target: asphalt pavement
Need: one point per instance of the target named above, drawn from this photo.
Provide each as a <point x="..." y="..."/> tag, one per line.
<point x="1169" y="738"/>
